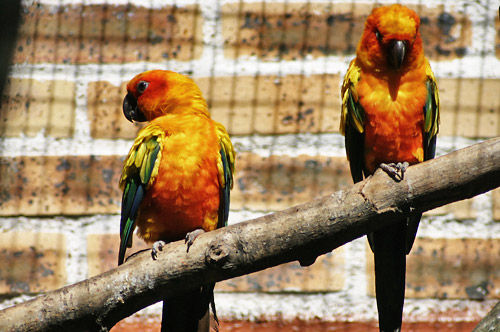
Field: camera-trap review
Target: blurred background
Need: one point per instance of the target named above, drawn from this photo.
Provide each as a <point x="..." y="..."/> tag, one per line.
<point x="271" y="73"/>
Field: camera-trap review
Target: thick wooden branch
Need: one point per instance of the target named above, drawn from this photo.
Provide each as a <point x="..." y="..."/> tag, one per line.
<point x="300" y="232"/>
<point x="491" y="322"/>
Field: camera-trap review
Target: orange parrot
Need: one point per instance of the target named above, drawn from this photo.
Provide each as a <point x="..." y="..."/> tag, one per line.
<point x="176" y="179"/>
<point x="390" y="118"/>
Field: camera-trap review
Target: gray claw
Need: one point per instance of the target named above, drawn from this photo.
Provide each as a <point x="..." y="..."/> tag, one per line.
<point x="157" y="246"/>
<point x="395" y="171"/>
<point x="191" y="236"/>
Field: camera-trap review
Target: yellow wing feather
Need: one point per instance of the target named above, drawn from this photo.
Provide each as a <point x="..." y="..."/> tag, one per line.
<point x="433" y="130"/>
<point x="139" y="155"/>
<point x="349" y="88"/>
<point x="228" y="148"/>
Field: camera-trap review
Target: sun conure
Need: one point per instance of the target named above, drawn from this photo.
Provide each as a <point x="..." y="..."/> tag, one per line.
<point x="176" y="179"/>
<point x="390" y="118"/>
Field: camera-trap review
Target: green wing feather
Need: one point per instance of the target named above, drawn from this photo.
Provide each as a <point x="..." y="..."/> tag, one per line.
<point x="139" y="171"/>
<point x="431" y="128"/>
<point x="226" y="169"/>
<point x="431" y="115"/>
<point x="352" y="122"/>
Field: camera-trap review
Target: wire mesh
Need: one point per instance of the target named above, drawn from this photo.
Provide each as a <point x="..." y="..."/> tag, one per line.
<point x="270" y="71"/>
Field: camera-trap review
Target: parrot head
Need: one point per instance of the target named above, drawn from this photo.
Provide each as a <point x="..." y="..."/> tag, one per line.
<point x="391" y="39"/>
<point x="159" y="92"/>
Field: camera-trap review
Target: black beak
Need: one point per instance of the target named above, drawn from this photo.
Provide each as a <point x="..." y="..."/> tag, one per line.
<point x="131" y="111"/>
<point x="397" y="52"/>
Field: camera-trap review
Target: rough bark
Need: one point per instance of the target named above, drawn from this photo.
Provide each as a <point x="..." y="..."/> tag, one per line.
<point x="298" y="233"/>
<point x="491" y="322"/>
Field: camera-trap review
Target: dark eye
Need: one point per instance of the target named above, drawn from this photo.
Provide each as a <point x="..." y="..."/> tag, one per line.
<point x="378" y="35"/>
<point x="142" y="86"/>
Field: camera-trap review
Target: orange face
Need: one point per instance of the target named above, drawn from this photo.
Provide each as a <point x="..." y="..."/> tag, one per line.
<point x="391" y="39"/>
<point x="157" y="92"/>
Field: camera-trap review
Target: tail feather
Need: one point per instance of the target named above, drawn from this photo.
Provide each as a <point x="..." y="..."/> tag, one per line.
<point x="214" y="320"/>
<point x="389" y="246"/>
<point x="189" y="312"/>
<point x="411" y="233"/>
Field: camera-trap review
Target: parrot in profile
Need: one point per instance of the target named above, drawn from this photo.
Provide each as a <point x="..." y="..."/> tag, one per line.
<point x="390" y="119"/>
<point x="176" y="180"/>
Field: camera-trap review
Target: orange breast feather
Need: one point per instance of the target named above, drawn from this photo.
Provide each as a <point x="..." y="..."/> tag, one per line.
<point x="394" y="118"/>
<point x="185" y="194"/>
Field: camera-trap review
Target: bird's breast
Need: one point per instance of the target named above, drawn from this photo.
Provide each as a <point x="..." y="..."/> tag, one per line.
<point x="185" y="194"/>
<point x="394" y="118"/>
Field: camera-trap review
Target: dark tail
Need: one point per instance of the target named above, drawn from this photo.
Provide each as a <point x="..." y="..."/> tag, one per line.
<point x="389" y="245"/>
<point x="190" y="312"/>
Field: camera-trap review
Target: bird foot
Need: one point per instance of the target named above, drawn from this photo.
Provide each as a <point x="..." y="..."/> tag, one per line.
<point x="395" y="171"/>
<point x="157" y="246"/>
<point x="191" y="236"/>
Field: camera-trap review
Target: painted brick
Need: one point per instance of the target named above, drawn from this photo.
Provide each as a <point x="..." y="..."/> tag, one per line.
<point x="270" y="104"/>
<point x="278" y="182"/>
<point x="496" y="204"/>
<point x="327" y="274"/>
<point x="460" y="210"/>
<point x="104" y="107"/>
<point x="102" y="251"/>
<point x="76" y="185"/>
<point x="469" y="107"/>
<point x="291" y="104"/>
<point x="139" y="323"/>
<point x="245" y="105"/>
<point x="71" y="185"/>
<point x="449" y="268"/>
<point x="290" y="30"/>
<point x="279" y="325"/>
<point x="81" y="185"/>
<point x="30" y="106"/>
<point x="497" y="37"/>
<point x="80" y="34"/>
<point x="32" y="262"/>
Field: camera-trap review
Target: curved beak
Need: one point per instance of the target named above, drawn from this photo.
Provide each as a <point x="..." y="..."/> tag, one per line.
<point x="131" y="111"/>
<point x="397" y="52"/>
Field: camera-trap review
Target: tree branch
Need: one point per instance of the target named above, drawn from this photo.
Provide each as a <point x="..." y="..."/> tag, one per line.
<point x="300" y="232"/>
<point x="491" y="322"/>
